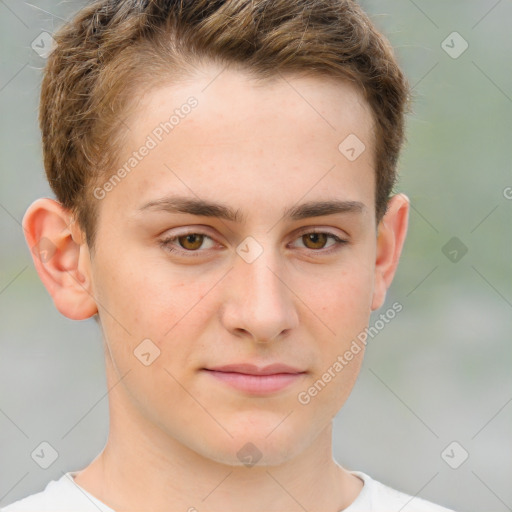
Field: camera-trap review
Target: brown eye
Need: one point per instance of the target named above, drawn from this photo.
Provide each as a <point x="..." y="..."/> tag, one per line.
<point x="191" y="242"/>
<point x="317" y="240"/>
<point x="188" y="244"/>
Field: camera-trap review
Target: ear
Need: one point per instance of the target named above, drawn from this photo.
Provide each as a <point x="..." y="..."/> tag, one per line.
<point x="390" y="240"/>
<point x="61" y="257"/>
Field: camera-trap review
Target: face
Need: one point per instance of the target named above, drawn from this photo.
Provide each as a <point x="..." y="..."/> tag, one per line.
<point x="235" y="261"/>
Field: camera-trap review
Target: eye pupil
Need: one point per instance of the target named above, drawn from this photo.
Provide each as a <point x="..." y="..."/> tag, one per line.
<point x="190" y="239"/>
<point x="314" y="237"/>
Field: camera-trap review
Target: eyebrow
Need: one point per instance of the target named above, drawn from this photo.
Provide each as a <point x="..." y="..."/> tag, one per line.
<point x="205" y="208"/>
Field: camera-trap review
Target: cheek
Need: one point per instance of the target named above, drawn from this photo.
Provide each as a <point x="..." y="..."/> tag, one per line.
<point x="343" y="305"/>
<point x="146" y="299"/>
<point x="155" y="311"/>
<point x="322" y="397"/>
<point x="344" y="298"/>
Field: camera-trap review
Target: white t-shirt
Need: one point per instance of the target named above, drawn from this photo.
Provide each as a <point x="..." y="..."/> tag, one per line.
<point x="64" y="495"/>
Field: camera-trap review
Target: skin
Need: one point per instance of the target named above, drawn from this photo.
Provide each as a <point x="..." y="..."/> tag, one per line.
<point x="174" y="429"/>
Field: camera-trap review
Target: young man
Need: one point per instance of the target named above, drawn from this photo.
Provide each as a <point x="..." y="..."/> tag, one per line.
<point x="223" y="173"/>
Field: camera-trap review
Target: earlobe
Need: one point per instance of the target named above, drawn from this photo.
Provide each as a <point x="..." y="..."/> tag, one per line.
<point x="61" y="257"/>
<point x="390" y="241"/>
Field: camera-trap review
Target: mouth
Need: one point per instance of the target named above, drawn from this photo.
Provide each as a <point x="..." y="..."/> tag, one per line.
<point x="256" y="380"/>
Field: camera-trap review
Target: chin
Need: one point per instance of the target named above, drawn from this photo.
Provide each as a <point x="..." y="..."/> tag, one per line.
<point x="259" y="444"/>
<point x="253" y="453"/>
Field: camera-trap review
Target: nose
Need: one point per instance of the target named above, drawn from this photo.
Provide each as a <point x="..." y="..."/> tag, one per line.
<point x="260" y="303"/>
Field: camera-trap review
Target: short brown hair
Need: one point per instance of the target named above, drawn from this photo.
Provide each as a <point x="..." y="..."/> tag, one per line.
<point x="112" y="50"/>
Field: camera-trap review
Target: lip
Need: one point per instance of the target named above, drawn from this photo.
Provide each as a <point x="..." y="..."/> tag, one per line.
<point x="256" y="380"/>
<point x="251" y="369"/>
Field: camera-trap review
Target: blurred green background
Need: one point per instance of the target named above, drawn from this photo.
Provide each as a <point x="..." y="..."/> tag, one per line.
<point x="440" y="372"/>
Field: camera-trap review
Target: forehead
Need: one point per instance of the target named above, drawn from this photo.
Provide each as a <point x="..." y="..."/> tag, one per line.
<point x="226" y="95"/>
<point x="225" y="132"/>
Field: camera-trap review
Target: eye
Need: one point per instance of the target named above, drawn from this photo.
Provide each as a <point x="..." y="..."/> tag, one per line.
<point x="188" y="244"/>
<point x="316" y="241"/>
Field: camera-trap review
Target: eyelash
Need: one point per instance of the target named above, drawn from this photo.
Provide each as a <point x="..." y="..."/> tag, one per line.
<point x="166" y="243"/>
